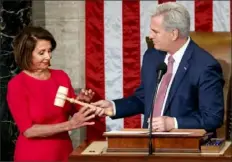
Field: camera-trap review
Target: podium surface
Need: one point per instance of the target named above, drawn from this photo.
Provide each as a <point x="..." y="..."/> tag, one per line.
<point x="77" y="155"/>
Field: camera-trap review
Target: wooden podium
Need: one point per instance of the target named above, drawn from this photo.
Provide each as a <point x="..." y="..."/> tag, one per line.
<point x="136" y="140"/>
<point x="132" y="145"/>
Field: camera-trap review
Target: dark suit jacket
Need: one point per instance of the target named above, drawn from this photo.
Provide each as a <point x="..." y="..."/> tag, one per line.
<point x="196" y="94"/>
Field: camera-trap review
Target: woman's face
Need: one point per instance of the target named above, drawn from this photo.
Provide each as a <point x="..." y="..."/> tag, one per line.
<point x="41" y="55"/>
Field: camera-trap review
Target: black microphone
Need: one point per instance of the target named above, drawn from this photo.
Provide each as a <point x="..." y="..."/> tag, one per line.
<point x="161" y="70"/>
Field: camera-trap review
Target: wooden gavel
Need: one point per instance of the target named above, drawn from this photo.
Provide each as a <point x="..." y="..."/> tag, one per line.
<point x="62" y="94"/>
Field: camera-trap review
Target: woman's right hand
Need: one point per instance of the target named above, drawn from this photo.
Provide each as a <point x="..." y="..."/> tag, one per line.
<point x="81" y="118"/>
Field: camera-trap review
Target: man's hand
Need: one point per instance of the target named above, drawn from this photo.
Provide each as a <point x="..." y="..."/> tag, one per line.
<point x="103" y="107"/>
<point x="162" y="123"/>
<point x="85" y="95"/>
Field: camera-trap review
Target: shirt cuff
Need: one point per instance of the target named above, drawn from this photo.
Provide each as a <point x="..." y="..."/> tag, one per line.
<point x="114" y="108"/>
<point x="176" y="124"/>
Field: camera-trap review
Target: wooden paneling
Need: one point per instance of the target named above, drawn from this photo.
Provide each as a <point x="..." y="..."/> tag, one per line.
<point x="135" y="157"/>
<point x="219" y="45"/>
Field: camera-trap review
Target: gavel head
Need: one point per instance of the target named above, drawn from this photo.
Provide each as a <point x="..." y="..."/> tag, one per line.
<point x="61" y="95"/>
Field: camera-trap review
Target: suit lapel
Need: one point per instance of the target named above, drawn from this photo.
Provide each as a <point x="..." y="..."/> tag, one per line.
<point x="181" y="71"/>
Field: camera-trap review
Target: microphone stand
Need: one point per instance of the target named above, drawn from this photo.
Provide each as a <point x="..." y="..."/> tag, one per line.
<point x="159" y="77"/>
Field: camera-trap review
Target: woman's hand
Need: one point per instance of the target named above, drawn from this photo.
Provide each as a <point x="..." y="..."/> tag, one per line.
<point x="81" y="118"/>
<point x="85" y="95"/>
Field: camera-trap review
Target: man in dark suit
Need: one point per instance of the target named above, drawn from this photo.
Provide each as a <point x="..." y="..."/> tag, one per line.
<point x="190" y="94"/>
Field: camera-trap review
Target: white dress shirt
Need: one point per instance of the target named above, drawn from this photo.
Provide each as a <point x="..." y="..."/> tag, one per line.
<point x="177" y="57"/>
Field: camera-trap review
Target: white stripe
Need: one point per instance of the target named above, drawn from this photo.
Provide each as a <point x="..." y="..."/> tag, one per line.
<point x="113" y="57"/>
<point x="190" y="6"/>
<point x="221" y="16"/>
<point x="147" y="8"/>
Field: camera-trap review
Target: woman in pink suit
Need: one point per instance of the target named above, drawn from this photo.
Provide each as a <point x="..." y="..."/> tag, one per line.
<point x="43" y="126"/>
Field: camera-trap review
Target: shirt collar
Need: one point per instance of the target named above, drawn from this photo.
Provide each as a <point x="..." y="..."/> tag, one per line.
<point x="177" y="56"/>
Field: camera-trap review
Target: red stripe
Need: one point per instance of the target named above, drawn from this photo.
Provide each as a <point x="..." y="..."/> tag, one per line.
<point x="95" y="78"/>
<point x="230" y="16"/>
<point x="131" y="54"/>
<point x="204" y="15"/>
<point x="163" y="1"/>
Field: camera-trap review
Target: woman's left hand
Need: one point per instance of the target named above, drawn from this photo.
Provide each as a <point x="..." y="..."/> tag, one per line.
<point x="85" y="95"/>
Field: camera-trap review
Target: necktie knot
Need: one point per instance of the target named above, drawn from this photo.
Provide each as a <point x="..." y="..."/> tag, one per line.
<point x="170" y="59"/>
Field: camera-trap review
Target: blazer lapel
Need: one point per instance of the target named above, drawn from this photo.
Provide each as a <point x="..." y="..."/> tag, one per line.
<point x="181" y="71"/>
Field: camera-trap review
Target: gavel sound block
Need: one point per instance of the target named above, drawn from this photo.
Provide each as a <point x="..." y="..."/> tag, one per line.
<point x="177" y="140"/>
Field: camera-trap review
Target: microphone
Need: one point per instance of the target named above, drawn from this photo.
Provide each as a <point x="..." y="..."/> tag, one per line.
<point x="161" y="70"/>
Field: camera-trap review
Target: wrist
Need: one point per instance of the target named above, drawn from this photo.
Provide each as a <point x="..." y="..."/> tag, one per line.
<point x="68" y="125"/>
<point x="170" y="123"/>
<point x="113" y="108"/>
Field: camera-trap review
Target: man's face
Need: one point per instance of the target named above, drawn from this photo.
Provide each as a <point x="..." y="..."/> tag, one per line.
<point x="161" y="38"/>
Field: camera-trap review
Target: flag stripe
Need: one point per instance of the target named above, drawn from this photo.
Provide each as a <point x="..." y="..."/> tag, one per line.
<point x="131" y="54"/>
<point x="189" y="5"/>
<point x="146" y="10"/>
<point x="221" y="12"/>
<point x="230" y="16"/>
<point x="163" y="1"/>
<point x="203" y="15"/>
<point x="95" y="78"/>
<point x="113" y="57"/>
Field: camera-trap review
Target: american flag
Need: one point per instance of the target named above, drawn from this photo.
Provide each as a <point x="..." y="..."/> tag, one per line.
<point x="115" y="44"/>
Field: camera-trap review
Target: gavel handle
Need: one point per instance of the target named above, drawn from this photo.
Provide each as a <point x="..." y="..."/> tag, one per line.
<point x="72" y="100"/>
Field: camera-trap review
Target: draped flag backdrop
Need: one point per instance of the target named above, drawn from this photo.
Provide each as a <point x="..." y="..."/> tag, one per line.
<point x="115" y="44"/>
